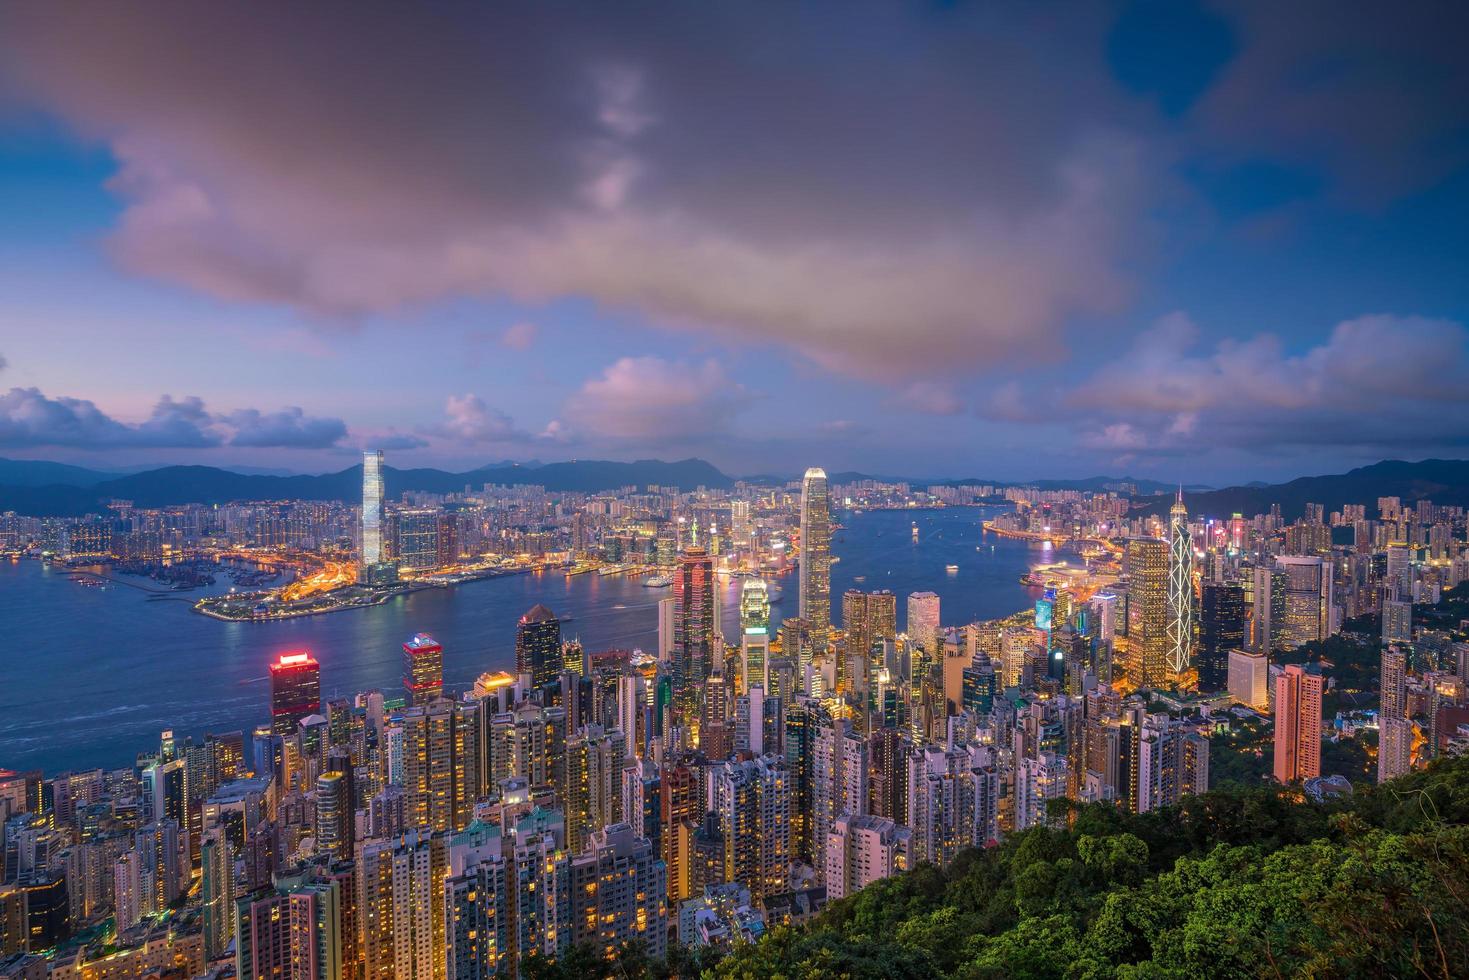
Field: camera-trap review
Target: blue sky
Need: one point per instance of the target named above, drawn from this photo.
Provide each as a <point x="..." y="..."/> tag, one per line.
<point x="1213" y="243"/>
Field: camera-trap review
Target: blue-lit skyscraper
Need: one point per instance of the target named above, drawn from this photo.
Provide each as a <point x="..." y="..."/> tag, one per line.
<point x="372" y="507"/>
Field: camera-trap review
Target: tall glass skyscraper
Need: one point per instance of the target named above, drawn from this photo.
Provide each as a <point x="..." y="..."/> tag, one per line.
<point x="372" y="507"/>
<point x="816" y="557"/>
<point x="1180" y="640"/>
<point x="538" y="646"/>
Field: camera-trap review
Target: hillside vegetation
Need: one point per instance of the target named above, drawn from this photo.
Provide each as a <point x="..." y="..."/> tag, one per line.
<point x="1234" y="883"/>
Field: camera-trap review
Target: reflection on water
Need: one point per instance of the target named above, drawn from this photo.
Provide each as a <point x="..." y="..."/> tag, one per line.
<point x="92" y="675"/>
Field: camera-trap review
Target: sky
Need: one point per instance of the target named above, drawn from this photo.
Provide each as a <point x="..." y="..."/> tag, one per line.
<point x="1210" y="243"/>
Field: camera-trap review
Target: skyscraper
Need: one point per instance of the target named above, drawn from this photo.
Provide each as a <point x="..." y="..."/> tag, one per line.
<point x="334" y="814"/>
<point x="1267" y="622"/>
<point x="923" y="621"/>
<point x="1221" y="629"/>
<point x="667" y="613"/>
<point x="815" y="584"/>
<point x="1180" y="631"/>
<point x="868" y="617"/>
<point x="400" y="906"/>
<point x="416" y="533"/>
<point x="1308" y="599"/>
<point x="1298" y="722"/>
<point x="753" y="801"/>
<point x="1147" y="613"/>
<point x="423" y="669"/>
<point x="441" y="763"/>
<point x="295" y="691"/>
<point x="1395" y="731"/>
<point x="754" y="635"/>
<point x="693" y="625"/>
<point x="839" y="774"/>
<point x="538" y="646"/>
<point x="372" y="507"/>
<point x="755" y="605"/>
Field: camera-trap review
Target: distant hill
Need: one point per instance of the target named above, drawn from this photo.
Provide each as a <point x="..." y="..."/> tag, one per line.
<point x="1092" y="483"/>
<point x="1444" y="481"/>
<point x="66" y="495"/>
<point x="40" y="473"/>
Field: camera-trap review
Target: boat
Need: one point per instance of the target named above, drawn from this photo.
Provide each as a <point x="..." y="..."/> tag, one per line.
<point x="860" y="578"/>
<point x="657" y="582"/>
<point x="951" y="569"/>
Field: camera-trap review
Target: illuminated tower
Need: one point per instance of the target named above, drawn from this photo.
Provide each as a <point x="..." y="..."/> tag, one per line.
<point x="372" y="507"/>
<point x="693" y="622"/>
<point x="923" y="621"/>
<point x="815" y="608"/>
<point x="1146" y="662"/>
<point x="1180" y="632"/>
<point x="538" y="646"/>
<point x="755" y="605"/>
<point x="423" y="670"/>
<point x="295" y="691"/>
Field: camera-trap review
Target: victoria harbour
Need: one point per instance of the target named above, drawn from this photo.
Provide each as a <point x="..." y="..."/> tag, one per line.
<point x="105" y="669"/>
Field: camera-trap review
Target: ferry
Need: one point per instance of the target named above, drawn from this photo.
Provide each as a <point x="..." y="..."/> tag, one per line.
<point x="657" y="582"/>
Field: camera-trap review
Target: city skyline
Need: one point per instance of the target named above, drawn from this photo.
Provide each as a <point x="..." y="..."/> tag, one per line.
<point x="1135" y="238"/>
<point x="722" y="490"/>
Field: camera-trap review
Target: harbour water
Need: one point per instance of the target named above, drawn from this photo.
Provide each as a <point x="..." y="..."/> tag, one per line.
<point x="90" y="676"/>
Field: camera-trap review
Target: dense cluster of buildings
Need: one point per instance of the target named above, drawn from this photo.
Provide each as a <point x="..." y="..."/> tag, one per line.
<point x="738" y="777"/>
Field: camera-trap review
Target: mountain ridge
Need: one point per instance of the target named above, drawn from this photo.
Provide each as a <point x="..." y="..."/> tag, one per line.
<point x="43" y="488"/>
<point x="1444" y="481"/>
<point x="172" y="485"/>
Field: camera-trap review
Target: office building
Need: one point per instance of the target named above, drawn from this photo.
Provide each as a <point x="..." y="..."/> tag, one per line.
<point x="372" y="507"/>
<point x="1147" y="664"/>
<point x="815" y="573"/>
<point x="1180" y="632"/>
<point x="423" y="670"/>
<point x="693" y="626"/>
<point x="1309" y="610"/>
<point x="924" y="630"/>
<point x="416" y="538"/>
<point x="334" y="814"/>
<point x="295" y="691"/>
<point x="538" y="646"/>
<point x="1221" y="629"/>
<point x="1249" y="679"/>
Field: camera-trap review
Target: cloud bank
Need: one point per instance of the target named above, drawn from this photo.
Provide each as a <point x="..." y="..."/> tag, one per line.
<point x="938" y="190"/>
<point x="30" y="419"/>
